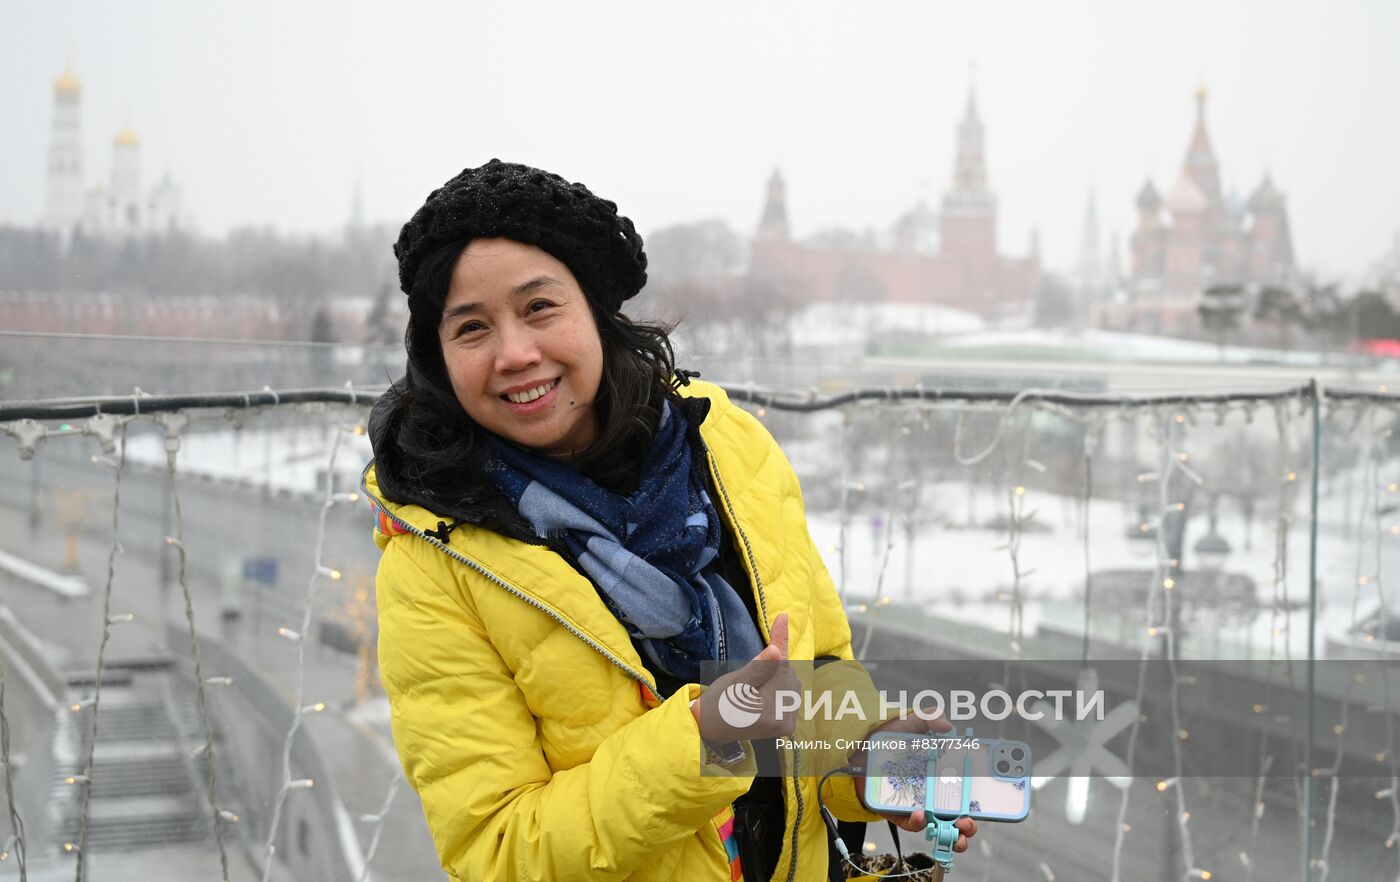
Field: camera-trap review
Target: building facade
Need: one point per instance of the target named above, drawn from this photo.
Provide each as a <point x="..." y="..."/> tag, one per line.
<point x="950" y="258"/>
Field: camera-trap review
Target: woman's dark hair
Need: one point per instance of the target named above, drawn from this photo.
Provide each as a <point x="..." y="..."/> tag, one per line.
<point x="446" y="448"/>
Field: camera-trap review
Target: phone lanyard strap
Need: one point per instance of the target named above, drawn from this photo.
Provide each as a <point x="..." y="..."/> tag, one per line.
<point x="942" y="831"/>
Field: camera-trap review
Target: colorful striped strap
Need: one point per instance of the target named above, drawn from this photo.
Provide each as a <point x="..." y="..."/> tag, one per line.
<point x="724" y="823"/>
<point x="387" y="525"/>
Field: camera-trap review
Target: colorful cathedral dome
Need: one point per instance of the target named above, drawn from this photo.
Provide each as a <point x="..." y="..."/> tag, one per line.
<point x="1187" y="198"/>
<point x="1266" y="197"/>
<point x="1148" y="199"/>
<point x="126" y="138"/>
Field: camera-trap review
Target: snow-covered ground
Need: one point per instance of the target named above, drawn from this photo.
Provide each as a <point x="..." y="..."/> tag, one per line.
<point x="287" y="458"/>
<point x="1090" y="344"/>
<point x="833" y="324"/>
<point x="966" y="575"/>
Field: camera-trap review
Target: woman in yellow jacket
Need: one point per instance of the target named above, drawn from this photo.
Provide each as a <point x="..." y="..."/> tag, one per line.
<point x="570" y="531"/>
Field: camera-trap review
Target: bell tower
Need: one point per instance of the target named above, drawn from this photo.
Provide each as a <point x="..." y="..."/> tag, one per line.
<point x="63" y="207"/>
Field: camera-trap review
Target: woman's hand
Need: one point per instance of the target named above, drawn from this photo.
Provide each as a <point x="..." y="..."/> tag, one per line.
<point x="750" y="696"/>
<point x="915" y="822"/>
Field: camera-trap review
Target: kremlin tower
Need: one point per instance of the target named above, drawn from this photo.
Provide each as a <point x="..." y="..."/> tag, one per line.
<point x="969" y="221"/>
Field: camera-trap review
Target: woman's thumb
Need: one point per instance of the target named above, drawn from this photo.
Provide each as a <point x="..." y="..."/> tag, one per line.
<point x="775" y="651"/>
<point x="779" y="636"/>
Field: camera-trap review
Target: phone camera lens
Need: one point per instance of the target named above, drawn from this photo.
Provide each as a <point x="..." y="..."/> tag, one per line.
<point x="1018" y="754"/>
<point x="1003" y="766"/>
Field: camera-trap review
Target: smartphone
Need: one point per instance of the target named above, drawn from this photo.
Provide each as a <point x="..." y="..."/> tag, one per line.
<point x="898" y="775"/>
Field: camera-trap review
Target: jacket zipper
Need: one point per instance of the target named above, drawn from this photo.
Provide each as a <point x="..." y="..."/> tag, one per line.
<point x="763" y="605"/>
<point x="511" y="588"/>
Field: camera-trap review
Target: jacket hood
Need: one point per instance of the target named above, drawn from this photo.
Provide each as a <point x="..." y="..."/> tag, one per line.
<point x="396" y="479"/>
<point x="391" y="482"/>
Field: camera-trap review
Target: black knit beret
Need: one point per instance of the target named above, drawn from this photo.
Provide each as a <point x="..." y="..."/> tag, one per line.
<point x="599" y="246"/>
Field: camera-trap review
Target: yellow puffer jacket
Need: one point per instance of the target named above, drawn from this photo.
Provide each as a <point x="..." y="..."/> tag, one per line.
<point x="527" y="722"/>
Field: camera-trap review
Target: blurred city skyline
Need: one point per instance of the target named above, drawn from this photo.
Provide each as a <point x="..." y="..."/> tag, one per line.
<point x="270" y="115"/>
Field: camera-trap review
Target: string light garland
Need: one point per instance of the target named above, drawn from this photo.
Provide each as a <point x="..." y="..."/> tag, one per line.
<point x="18" y="418"/>
<point x="174" y="422"/>
<point x="879" y="600"/>
<point x="1171" y="434"/>
<point x="300" y="709"/>
<point x="1377" y="489"/>
<point x="107" y="624"/>
<point x="1093" y="428"/>
<point x="105" y="426"/>
<point x="1170" y="461"/>
<point x="15" y="843"/>
<point x="378" y="820"/>
<point x="844" y="502"/>
<point x="1286" y="487"/>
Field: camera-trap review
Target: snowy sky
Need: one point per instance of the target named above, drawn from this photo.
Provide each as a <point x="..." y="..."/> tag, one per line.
<point x="266" y="112"/>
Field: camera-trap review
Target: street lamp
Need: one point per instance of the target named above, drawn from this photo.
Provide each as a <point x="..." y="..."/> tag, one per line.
<point x="1211" y="550"/>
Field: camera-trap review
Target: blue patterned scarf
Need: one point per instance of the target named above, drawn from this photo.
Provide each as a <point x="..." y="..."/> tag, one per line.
<point x="653" y="555"/>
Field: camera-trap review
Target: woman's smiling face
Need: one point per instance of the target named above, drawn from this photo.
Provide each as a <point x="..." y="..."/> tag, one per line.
<point x="521" y="347"/>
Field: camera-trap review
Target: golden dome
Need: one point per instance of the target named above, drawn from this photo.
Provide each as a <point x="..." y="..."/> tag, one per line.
<point x="126" y="138"/>
<point x="67" y="81"/>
